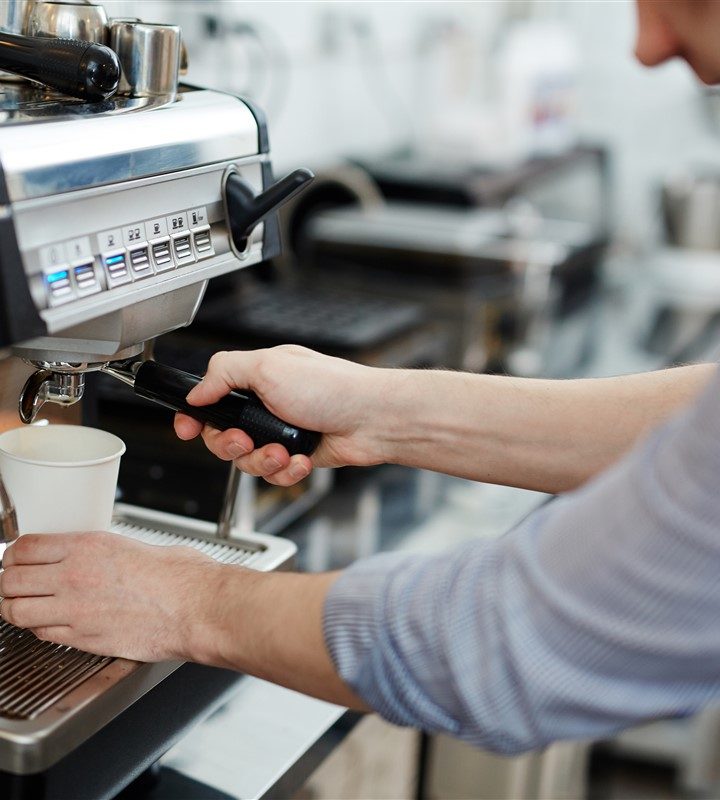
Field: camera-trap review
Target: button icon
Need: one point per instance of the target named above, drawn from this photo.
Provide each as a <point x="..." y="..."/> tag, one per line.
<point x="110" y="240"/>
<point x="52" y="256"/>
<point x="156" y="228"/>
<point x="177" y="222"/>
<point x="198" y="217"/>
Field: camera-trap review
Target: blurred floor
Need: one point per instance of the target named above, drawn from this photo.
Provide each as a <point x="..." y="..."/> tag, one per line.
<point x="375" y="762"/>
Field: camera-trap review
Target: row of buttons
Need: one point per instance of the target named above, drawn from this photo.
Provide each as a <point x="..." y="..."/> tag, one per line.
<point x="126" y="256"/>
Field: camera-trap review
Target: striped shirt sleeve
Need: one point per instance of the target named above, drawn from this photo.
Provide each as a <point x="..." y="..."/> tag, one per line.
<point x="599" y="611"/>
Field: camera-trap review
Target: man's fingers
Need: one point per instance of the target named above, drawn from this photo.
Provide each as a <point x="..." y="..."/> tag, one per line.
<point x="29" y="580"/>
<point x="38" y="548"/>
<point x="58" y="634"/>
<point x="32" y="612"/>
<point x="264" y="462"/>
<point x="298" y="469"/>
<point x="227" y="445"/>
<point x="186" y="427"/>
<point x="225" y="372"/>
<point x="271" y="460"/>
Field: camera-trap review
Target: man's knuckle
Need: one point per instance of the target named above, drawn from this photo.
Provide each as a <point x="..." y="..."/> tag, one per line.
<point x="42" y="633"/>
<point x="218" y="360"/>
<point x="90" y="542"/>
<point x="291" y="349"/>
<point x="7" y="608"/>
<point x="9" y="581"/>
<point x="24" y="546"/>
<point x="20" y="613"/>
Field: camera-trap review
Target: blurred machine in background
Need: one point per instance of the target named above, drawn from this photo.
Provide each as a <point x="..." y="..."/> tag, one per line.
<point x="497" y="257"/>
<point x="572" y="185"/>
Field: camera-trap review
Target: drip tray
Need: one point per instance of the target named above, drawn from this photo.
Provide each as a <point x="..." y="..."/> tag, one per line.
<point x="52" y="698"/>
<point x="35" y="674"/>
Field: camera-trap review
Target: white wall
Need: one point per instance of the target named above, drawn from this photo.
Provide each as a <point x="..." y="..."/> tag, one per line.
<point x="346" y="76"/>
<point x="359" y="77"/>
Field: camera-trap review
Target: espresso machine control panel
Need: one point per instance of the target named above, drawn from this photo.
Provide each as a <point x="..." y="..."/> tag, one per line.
<point x="111" y="263"/>
<point x="87" y="265"/>
<point x="125" y="209"/>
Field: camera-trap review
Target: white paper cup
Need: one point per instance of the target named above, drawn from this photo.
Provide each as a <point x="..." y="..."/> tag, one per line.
<point x="61" y="478"/>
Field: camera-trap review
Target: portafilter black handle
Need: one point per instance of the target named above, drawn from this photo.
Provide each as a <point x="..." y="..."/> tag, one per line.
<point x="245" y="209"/>
<point x="86" y="70"/>
<point x="239" y="409"/>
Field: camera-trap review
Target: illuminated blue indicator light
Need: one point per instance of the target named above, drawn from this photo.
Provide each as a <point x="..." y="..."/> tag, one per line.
<point x="57" y="276"/>
<point x="114" y="260"/>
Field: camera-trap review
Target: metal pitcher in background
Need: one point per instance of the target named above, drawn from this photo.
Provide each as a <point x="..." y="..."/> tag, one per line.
<point x="68" y="19"/>
<point x="691" y="211"/>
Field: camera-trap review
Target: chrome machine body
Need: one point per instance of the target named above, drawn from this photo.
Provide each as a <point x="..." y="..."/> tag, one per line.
<point x="122" y="192"/>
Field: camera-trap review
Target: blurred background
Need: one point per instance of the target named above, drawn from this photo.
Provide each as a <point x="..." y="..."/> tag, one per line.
<point x="500" y="188"/>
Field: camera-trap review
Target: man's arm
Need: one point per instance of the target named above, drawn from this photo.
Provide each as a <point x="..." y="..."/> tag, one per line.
<point x="596" y="613"/>
<point x="545" y="435"/>
<point x="271" y="626"/>
<point x="599" y="611"/>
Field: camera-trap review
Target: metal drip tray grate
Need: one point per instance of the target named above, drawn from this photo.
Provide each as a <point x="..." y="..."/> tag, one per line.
<point x="224" y="552"/>
<point x="35" y="674"/>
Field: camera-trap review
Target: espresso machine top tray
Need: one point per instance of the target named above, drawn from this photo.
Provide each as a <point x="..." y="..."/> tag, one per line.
<point x="53" y="698"/>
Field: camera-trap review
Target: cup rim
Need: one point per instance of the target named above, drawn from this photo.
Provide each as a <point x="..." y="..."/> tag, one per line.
<point x="91" y="462"/>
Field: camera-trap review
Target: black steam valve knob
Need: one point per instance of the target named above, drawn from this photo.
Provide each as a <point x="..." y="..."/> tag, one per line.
<point x="81" y="69"/>
<point x="245" y="209"/>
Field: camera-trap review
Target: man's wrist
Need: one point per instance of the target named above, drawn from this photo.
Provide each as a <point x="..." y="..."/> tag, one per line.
<point x="209" y="613"/>
<point x="428" y="416"/>
<point x="390" y="417"/>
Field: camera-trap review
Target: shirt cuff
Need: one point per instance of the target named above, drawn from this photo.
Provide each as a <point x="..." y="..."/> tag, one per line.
<point x="352" y="613"/>
<point x="361" y="613"/>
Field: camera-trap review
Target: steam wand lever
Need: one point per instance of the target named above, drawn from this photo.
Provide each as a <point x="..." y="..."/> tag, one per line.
<point x="245" y="209"/>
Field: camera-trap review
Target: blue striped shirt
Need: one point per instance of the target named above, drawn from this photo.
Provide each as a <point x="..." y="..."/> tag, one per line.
<point x="599" y="611"/>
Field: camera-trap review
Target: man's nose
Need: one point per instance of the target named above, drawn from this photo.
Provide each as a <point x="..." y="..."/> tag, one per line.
<point x="656" y="41"/>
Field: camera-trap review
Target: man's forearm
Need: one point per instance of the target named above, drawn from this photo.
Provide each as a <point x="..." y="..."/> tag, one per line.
<point x="545" y="435"/>
<point x="270" y="626"/>
<point x="597" y="612"/>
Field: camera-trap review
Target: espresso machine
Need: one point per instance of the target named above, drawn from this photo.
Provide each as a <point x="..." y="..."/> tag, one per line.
<point x="123" y="191"/>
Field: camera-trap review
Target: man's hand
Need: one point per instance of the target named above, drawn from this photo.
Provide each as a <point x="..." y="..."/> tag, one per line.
<point x="338" y="398"/>
<point x="110" y="595"/>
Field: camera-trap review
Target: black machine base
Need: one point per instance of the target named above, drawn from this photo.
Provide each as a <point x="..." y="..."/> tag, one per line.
<point x="112" y="759"/>
<point x="163" y="783"/>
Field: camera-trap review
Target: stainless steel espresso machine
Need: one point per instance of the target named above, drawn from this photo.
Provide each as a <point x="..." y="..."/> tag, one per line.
<point x="122" y="192"/>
